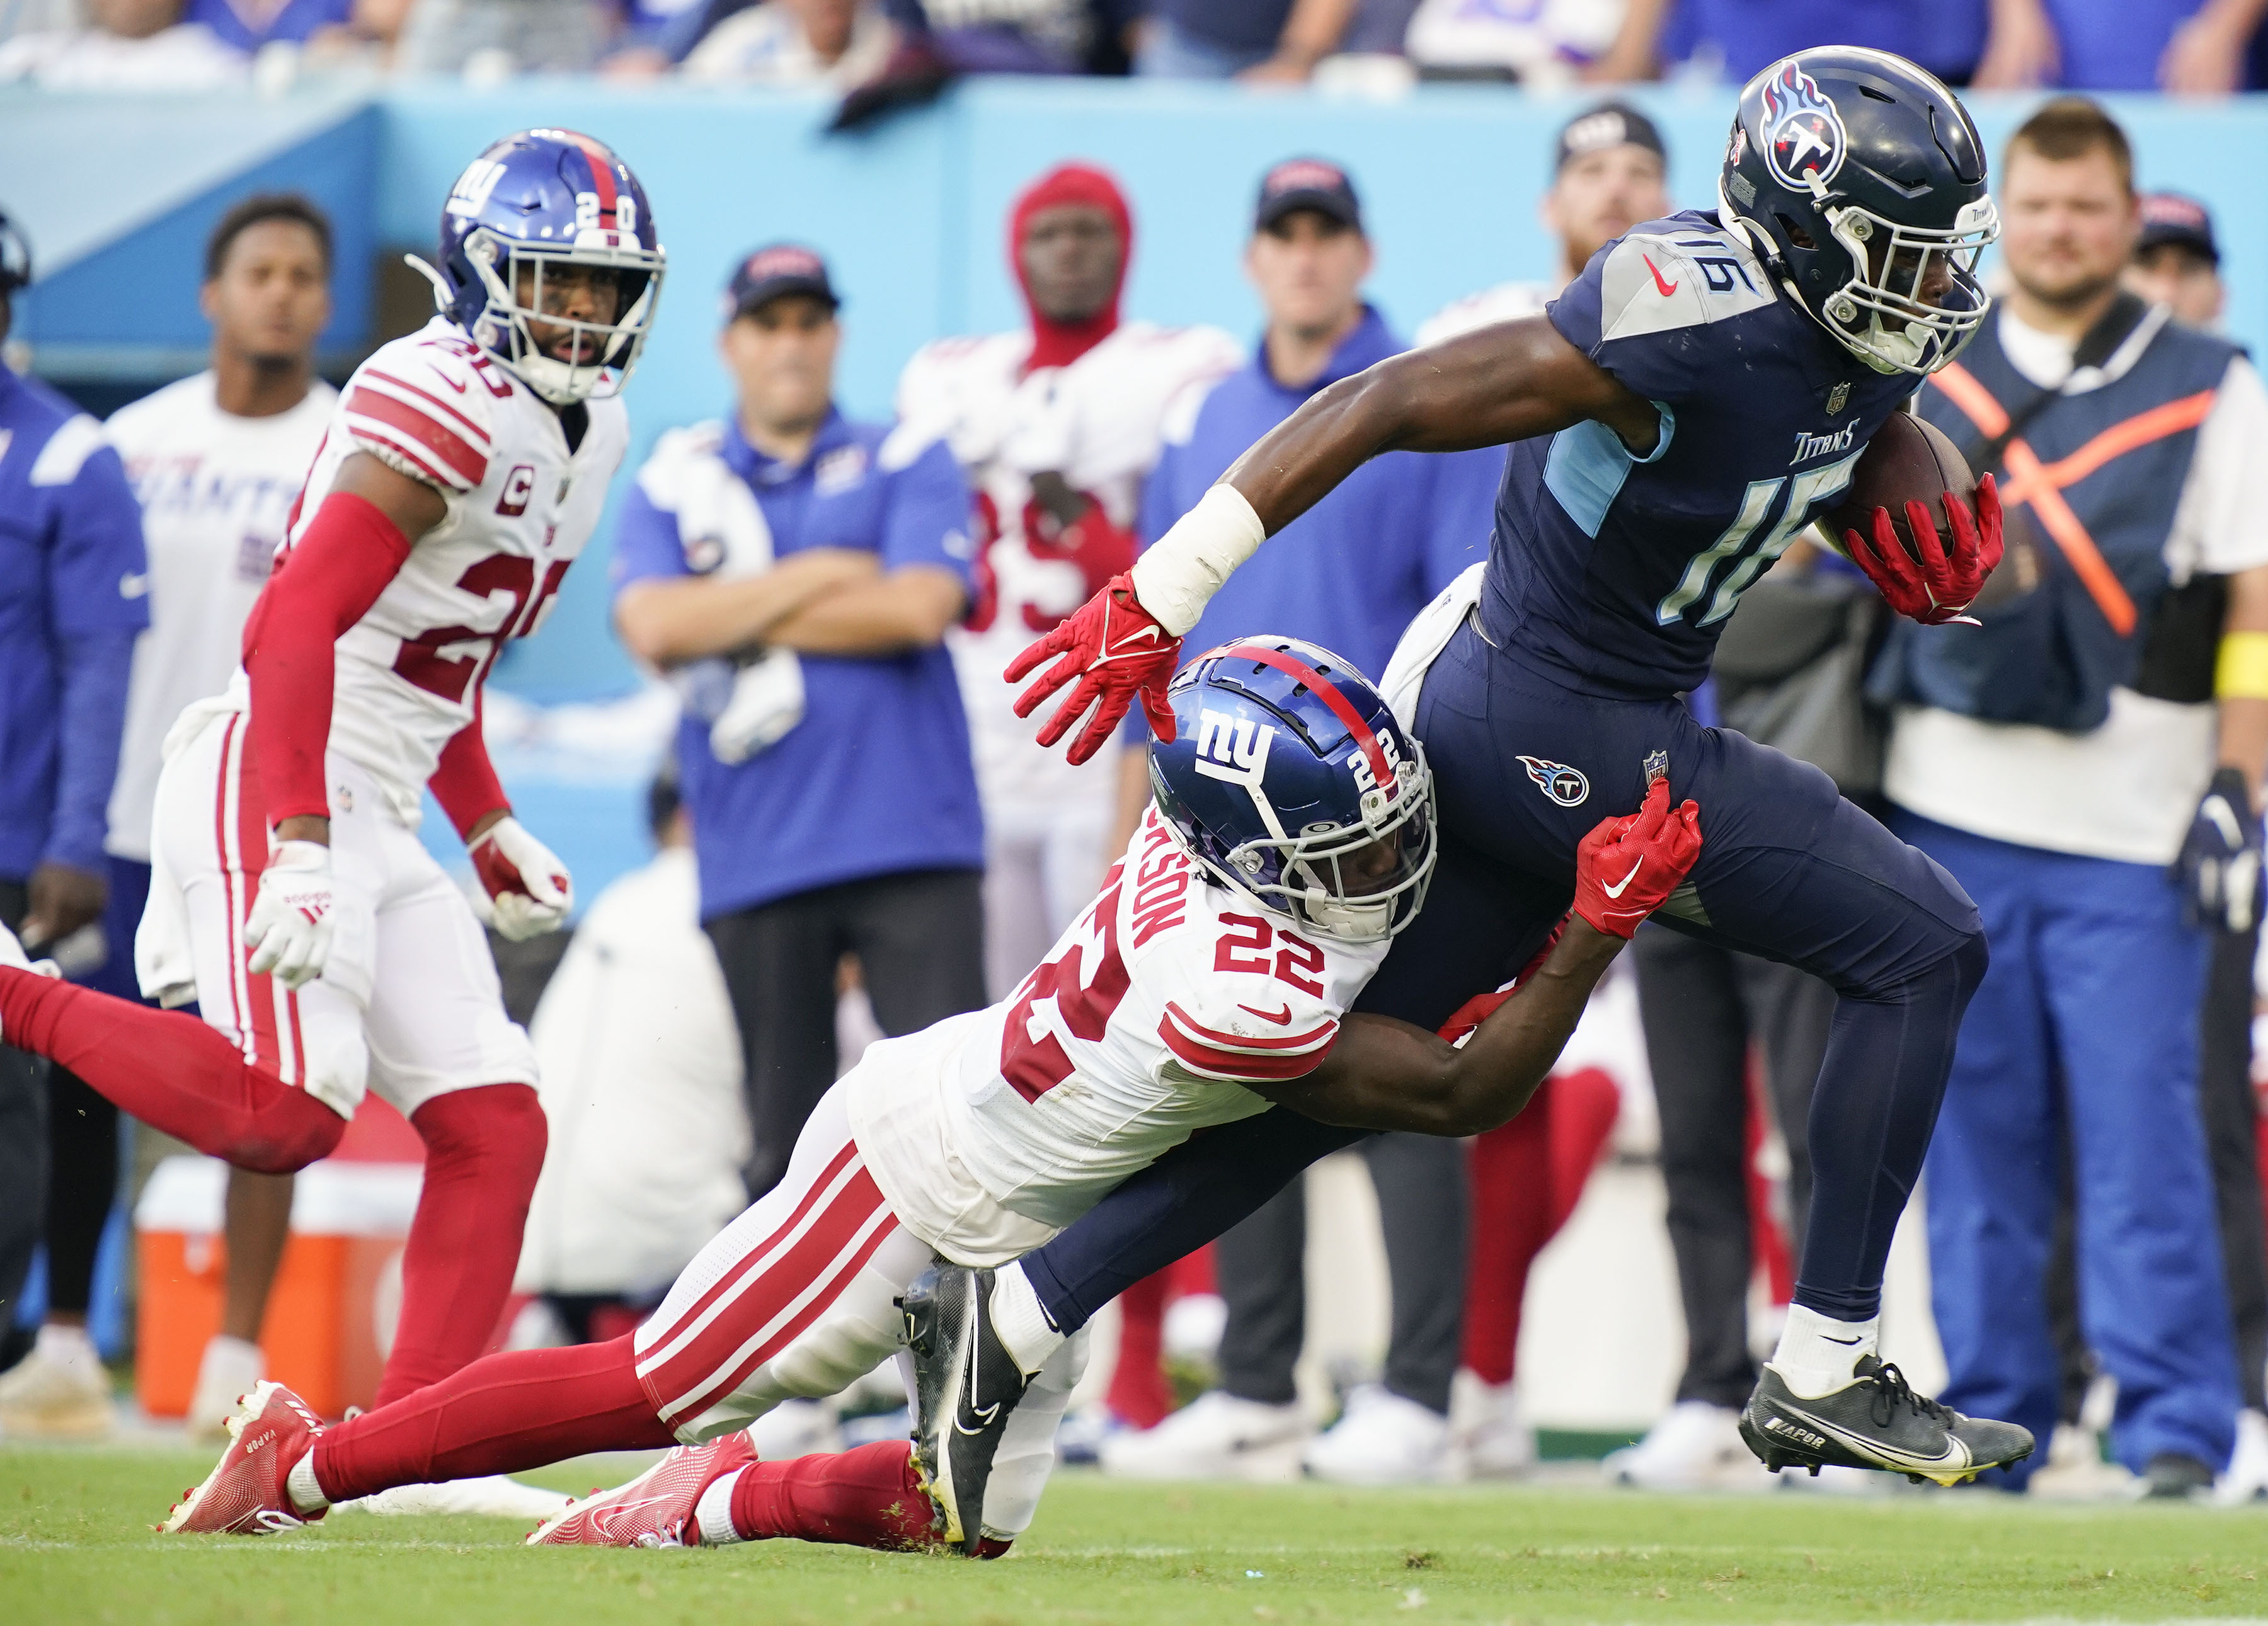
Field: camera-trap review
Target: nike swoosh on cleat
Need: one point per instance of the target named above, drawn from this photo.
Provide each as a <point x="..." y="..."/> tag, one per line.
<point x="1846" y="1342"/>
<point x="1284" y="1020"/>
<point x="984" y="1416"/>
<point x="1618" y="891"/>
<point x="1665" y="287"/>
<point x="1955" y="1455"/>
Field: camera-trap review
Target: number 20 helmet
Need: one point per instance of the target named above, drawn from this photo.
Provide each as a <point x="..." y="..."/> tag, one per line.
<point x="533" y="202"/>
<point x="1288" y="777"/>
<point x="1858" y="177"/>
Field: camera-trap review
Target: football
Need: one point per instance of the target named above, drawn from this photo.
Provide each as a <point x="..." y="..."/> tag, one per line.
<point x="1907" y="460"/>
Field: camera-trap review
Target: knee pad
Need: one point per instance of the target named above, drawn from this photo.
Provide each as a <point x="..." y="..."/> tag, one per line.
<point x="498" y="1130"/>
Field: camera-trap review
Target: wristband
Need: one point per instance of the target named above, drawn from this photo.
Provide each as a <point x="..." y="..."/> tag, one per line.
<point x="2241" y="671"/>
<point x="1187" y="564"/>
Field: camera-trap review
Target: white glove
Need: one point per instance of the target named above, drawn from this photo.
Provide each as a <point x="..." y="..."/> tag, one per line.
<point x="12" y="954"/>
<point x="290" y="930"/>
<point x="529" y="887"/>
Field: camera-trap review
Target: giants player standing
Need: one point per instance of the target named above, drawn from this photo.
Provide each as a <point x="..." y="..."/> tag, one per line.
<point x="1292" y="838"/>
<point x="461" y="473"/>
<point x="1055" y="429"/>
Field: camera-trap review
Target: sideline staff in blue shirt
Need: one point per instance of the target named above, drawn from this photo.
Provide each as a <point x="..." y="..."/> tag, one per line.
<point x="795" y="572"/>
<point x="73" y="593"/>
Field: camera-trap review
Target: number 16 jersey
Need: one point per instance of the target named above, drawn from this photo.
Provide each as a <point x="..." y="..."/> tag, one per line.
<point x="521" y="506"/>
<point x="1149" y="1021"/>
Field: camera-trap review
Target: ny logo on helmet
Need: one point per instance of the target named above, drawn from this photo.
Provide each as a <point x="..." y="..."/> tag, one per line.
<point x="1231" y="748"/>
<point x="1803" y="137"/>
<point x="471" y="194"/>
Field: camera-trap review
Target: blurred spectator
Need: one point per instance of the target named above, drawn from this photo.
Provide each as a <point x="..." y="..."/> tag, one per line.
<point x="1349" y="574"/>
<point x="217" y="461"/>
<point x="2056" y="759"/>
<point x="1259" y="41"/>
<point x="25" y="17"/>
<point x="641" y="1070"/>
<point x="1736" y="40"/>
<point x="1609" y="172"/>
<point x="2181" y="45"/>
<point x="2177" y="263"/>
<point x="836" y="42"/>
<point x="1539" y="43"/>
<point x="126" y="45"/>
<point x="74" y="591"/>
<point x="497" y="38"/>
<point x="797" y="572"/>
<point x="1056" y="427"/>
<point x="247" y="25"/>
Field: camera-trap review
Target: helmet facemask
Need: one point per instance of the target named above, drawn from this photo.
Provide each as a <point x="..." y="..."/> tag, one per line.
<point x="603" y="353"/>
<point x="1892" y="264"/>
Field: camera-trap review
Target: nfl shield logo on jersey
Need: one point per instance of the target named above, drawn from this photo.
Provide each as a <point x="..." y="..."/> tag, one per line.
<point x="1563" y="784"/>
<point x="1804" y="142"/>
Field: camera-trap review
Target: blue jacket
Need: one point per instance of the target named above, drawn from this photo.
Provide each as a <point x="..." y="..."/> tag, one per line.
<point x="74" y="591"/>
<point x="1350" y="572"/>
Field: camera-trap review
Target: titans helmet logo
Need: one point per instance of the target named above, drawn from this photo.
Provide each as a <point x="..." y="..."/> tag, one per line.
<point x="1803" y="137"/>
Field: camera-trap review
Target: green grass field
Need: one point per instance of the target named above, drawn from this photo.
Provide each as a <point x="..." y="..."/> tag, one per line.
<point x="76" y="1546"/>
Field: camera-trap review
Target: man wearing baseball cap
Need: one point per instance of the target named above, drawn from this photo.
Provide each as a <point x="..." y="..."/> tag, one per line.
<point x="2177" y="262"/>
<point x="1609" y="172"/>
<point x="1368" y="558"/>
<point x="794" y="572"/>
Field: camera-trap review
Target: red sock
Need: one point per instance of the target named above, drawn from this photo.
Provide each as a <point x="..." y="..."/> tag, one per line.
<point x="170" y="1071"/>
<point x="484" y="1150"/>
<point x="871" y="1497"/>
<point x="520" y="1410"/>
<point x="1138" y="1394"/>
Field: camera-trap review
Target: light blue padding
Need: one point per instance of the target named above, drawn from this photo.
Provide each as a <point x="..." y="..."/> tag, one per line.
<point x="1588" y="464"/>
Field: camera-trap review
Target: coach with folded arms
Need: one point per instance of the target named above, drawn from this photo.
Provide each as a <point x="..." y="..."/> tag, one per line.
<point x="795" y="572"/>
<point x="2087" y="763"/>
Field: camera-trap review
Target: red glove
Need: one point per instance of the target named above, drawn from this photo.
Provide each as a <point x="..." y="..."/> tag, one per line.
<point x="1118" y="652"/>
<point x="1938" y="589"/>
<point x="1627" y="868"/>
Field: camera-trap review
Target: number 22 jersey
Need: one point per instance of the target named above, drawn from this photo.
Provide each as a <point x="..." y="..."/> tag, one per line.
<point x="1151" y="1017"/>
<point x="521" y="506"/>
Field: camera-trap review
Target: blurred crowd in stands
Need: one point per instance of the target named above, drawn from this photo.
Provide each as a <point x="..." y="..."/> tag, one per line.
<point x="898" y="51"/>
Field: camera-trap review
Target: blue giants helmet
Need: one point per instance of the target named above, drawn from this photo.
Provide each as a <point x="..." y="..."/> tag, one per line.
<point x="1288" y="777"/>
<point x="531" y="204"/>
<point x="1861" y="180"/>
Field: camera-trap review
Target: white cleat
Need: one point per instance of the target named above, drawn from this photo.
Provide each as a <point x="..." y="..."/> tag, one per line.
<point x="490" y="1496"/>
<point x="1695" y="1447"/>
<point x="1382" y="1438"/>
<point x="1216" y="1435"/>
<point x="1490" y="1435"/>
<point x="229" y="1370"/>
<point x="60" y="1391"/>
<point x="248" y="1492"/>
<point x="2245" y="1480"/>
<point x="2076" y="1472"/>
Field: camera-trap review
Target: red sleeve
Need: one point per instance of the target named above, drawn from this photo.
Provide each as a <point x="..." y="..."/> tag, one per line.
<point x="1238" y="1058"/>
<point x="327" y="582"/>
<point x="463" y="783"/>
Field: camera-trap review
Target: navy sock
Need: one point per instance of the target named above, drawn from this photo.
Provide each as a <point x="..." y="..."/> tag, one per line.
<point x="1879" y="1085"/>
<point x="1203" y="1187"/>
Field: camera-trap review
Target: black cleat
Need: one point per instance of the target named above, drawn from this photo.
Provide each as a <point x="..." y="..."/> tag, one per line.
<point x="1875" y="1421"/>
<point x="966" y="1385"/>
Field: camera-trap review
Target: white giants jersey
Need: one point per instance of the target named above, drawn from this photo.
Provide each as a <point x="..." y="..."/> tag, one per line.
<point x="521" y="505"/>
<point x="1096" y="423"/>
<point x="1507" y="302"/>
<point x="990" y="1132"/>
<point x="215" y="490"/>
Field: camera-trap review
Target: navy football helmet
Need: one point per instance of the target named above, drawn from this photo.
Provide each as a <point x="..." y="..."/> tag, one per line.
<point x="533" y="201"/>
<point x="1861" y="180"/>
<point x="1287" y="777"/>
<point x="15" y="257"/>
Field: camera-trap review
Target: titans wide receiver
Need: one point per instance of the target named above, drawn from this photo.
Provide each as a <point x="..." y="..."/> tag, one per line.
<point x="461" y="473"/>
<point x="1292" y="837"/>
<point x="1677" y="418"/>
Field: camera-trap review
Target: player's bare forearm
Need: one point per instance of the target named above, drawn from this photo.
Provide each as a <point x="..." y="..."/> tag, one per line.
<point x="908" y="609"/>
<point x="1498" y="384"/>
<point x="2243" y="743"/>
<point x="1384" y="1074"/>
<point x="666" y="623"/>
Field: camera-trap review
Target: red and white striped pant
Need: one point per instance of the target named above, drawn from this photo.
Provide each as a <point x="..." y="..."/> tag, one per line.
<point x="795" y="1298"/>
<point x="409" y="1003"/>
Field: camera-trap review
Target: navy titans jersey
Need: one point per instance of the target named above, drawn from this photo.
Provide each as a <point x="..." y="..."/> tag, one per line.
<point x="1615" y="573"/>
